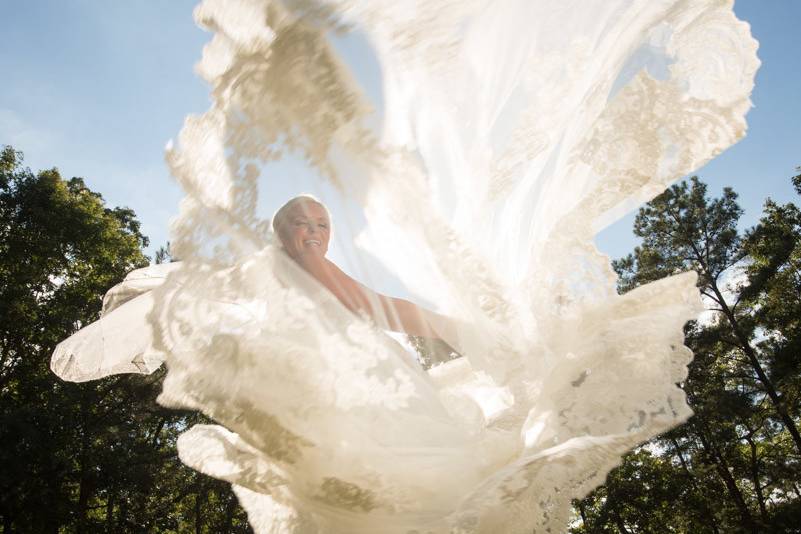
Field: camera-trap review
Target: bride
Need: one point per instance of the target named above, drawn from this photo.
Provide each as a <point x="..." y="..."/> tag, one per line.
<point x="303" y="226"/>
<point x="502" y="138"/>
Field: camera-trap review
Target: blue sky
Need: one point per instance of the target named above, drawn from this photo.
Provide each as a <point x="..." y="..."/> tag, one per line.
<point x="97" y="88"/>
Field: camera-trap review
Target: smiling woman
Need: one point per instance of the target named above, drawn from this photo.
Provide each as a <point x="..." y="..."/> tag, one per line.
<point x="303" y="226"/>
<point x="505" y="146"/>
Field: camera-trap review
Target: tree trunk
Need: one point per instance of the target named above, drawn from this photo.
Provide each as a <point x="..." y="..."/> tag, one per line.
<point x="198" y="513"/>
<point x="763" y="512"/>
<point x="619" y="521"/>
<point x="746" y="347"/>
<point x="731" y="485"/>
<point x="110" y="512"/>
<point x="677" y="448"/>
<point x="230" y="510"/>
<point x="706" y="512"/>
<point x="84" y="484"/>
<point x="157" y="432"/>
<point x="583" y="513"/>
<point x="122" y="517"/>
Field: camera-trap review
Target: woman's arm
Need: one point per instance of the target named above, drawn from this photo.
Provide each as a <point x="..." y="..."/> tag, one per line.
<point x="404" y="316"/>
<point x="397" y="315"/>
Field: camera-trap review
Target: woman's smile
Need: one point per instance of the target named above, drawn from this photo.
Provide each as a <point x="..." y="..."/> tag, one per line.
<point x="305" y="229"/>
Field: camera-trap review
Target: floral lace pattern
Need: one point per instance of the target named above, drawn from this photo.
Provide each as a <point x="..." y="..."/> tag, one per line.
<point x="511" y="132"/>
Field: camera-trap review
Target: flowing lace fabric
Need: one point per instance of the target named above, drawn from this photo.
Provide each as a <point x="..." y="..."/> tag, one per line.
<point x="508" y="134"/>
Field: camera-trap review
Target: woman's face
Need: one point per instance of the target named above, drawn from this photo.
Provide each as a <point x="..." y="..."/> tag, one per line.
<point x="305" y="230"/>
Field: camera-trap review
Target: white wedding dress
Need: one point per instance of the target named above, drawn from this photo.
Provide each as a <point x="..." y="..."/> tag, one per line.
<point x="506" y="135"/>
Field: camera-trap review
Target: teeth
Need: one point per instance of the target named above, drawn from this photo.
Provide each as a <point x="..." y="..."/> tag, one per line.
<point x="312" y="242"/>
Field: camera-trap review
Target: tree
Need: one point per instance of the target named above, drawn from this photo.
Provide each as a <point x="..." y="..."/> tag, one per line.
<point x="431" y="352"/>
<point x="773" y="292"/>
<point x="734" y="466"/>
<point x="94" y="457"/>
<point x="683" y="230"/>
<point x="646" y="494"/>
<point x="164" y="255"/>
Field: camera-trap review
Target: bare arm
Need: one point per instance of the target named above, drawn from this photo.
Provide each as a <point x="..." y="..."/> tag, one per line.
<point x="397" y="315"/>
<point x="404" y="316"/>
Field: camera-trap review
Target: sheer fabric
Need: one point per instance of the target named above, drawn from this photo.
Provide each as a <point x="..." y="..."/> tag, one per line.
<point x="508" y="134"/>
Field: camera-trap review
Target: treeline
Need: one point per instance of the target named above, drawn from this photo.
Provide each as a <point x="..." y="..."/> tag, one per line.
<point x="94" y="457"/>
<point x="734" y="466"/>
<point x="100" y="457"/>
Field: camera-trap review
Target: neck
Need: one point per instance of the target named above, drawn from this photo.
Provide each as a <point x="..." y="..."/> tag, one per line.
<point x="317" y="266"/>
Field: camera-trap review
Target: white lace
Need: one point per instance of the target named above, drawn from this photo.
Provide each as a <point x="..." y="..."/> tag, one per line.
<point x="512" y="132"/>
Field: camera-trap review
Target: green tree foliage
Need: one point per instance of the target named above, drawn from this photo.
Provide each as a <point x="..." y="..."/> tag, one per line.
<point x="95" y="457"/>
<point x="164" y="255"/>
<point x="431" y="352"/>
<point x="682" y="230"/>
<point x="734" y="466"/>
<point x="100" y="457"/>
<point x="773" y="292"/>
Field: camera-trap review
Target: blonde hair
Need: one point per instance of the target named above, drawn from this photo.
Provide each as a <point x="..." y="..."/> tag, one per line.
<point x="283" y="211"/>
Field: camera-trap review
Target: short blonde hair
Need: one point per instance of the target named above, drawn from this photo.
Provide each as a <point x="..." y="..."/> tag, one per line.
<point x="280" y="215"/>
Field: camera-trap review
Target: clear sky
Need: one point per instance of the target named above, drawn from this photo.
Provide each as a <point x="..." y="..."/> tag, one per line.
<point x="97" y="88"/>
